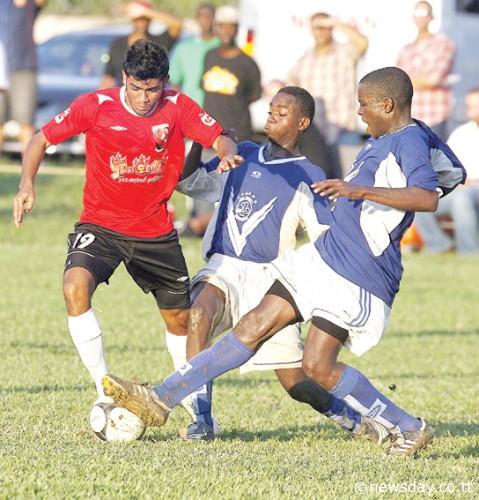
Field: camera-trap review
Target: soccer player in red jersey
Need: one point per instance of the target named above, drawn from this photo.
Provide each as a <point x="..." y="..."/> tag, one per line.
<point x="134" y="157"/>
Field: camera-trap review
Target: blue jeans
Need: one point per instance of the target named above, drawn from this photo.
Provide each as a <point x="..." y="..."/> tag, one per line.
<point x="462" y="205"/>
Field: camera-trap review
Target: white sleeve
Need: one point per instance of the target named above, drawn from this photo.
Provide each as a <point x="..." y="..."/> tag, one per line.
<point x="203" y="185"/>
<point x="307" y="213"/>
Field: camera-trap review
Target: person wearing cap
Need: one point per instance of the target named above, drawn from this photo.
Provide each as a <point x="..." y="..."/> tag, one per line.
<point x="428" y="60"/>
<point x="141" y="13"/>
<point x="231" y="79"/>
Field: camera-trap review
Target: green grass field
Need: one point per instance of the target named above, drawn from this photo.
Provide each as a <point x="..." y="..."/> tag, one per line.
<point x="271" y="447"/>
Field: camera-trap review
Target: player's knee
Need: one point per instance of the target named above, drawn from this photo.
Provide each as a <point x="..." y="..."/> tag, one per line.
<point x="77" y="297"/>
<point x="176" y="320"/>
<point x="310" y="393"/>
<point x="252" y="329"/>
<point x="318" y="371"/>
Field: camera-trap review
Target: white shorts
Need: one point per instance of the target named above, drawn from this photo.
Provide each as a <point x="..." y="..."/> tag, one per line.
<point x="319" y="291"/>
<point x="244" y="285"/>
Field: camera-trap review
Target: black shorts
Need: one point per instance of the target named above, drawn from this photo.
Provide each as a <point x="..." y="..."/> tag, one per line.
<point x="157" y="265"/>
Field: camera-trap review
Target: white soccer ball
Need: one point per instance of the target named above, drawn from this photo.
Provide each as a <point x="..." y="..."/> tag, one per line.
<point x="112" y="423"/>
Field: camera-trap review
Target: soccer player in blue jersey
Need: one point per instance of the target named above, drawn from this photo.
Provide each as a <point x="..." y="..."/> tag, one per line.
<point x="346" y="281"/>
<point x="260" y="208"/>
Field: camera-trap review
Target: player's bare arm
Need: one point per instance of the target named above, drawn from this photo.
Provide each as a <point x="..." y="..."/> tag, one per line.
<point x="33" y="156"/>
<point x="227" y="151"/>
<point x="410" y="198"/>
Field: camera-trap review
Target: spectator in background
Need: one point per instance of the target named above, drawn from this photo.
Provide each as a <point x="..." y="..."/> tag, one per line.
<point x="186" y="70"/>
<point x="141" y="13"/>
<point x="19" y="102"/>
<point x="231" y="79"/>
<point x="428" y="61"/>
<point x="328" y="72"/>
<point x="231" y="82"/>
<point x="462" y="204"/>
<point x="188" y="60"/>
<point x="4" y="78"/>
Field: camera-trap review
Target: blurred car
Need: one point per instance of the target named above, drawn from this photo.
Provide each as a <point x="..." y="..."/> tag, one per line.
<point x="69" y="65"/>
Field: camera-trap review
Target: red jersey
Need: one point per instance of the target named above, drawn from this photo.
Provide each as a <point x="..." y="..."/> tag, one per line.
<point x="133" y="162"/>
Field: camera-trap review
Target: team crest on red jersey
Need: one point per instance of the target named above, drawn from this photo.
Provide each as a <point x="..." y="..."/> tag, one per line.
<point x="160" y="134"/>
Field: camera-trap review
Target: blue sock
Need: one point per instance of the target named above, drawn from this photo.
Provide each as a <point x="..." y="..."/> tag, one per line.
<point x="226" y="354"/>
<point x="342" y="414"/>
<point x="356" y="390"/>
<point x="202" y="404"/>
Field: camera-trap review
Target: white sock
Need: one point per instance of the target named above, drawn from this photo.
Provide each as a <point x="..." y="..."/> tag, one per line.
<point x="86" y="335"/>
<point x="176" y="345"/>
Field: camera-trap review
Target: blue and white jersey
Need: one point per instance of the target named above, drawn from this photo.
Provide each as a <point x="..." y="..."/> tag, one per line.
<point x="363" y="242"/>
<point x="261" y="204"/>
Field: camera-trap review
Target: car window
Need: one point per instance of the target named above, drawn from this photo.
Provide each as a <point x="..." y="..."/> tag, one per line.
<point x="74" y="56"/>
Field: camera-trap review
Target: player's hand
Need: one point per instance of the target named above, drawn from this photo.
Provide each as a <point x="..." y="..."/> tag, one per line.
<point x="23" y="202"/>
<point x="229" y="162"/>
<point x="336" y="188"/>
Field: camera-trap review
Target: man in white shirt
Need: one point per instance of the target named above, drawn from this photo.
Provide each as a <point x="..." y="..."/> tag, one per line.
<point x="463" y="204"/>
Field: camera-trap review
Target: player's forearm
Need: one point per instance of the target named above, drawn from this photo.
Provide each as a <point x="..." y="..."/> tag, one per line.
<point x="32" y="158"/>
<point x="411" y="199"/>
<point x="224" y="146"/>
<point x="192" y="161"/>
<point x="359" y="41"/>
<point x="173" y="23"/>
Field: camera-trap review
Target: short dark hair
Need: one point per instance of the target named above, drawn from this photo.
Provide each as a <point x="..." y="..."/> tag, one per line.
<point x="206" y="5"/>
<point x="146" y="60"/>
<point x="303" y="98"/>
<point x="390" y="82"/>
<point x="323" y="15"/>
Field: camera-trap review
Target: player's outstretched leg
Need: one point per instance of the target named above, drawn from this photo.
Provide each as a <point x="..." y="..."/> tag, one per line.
<point x="305" y="390"/>
<point x="152" y="405"/>
<point x="408" y="433"/>
<point x="206" y="313"/>
<point x="137" y="398"/>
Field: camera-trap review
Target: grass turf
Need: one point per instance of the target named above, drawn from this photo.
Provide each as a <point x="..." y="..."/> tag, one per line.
<point x="271" y="447"/>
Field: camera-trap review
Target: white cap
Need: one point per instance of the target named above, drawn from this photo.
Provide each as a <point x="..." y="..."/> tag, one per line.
<point x="227" y="14"/>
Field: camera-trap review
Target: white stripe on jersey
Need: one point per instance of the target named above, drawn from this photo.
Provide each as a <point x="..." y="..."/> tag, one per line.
<point x="377" y="220"/>
<point x="239" y="238"/>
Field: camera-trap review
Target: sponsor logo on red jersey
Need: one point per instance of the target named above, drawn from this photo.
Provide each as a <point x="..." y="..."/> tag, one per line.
<point x="140" y="166"/>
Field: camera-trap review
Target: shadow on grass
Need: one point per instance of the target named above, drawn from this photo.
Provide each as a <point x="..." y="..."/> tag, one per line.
<point x="37" y="389"/>
<point x="53" y="348"/>
<point x="68" y="348"/>
<point x="434" y="333"/>
<point x="454" y="429"/>
<point x="282" y="434"/>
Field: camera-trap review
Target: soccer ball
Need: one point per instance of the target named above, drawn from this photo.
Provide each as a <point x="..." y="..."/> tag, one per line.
<point x="112" y="423"/>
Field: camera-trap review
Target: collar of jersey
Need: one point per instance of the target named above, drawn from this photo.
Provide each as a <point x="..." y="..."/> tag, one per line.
<point x="125" y="104"/>
<point x="414" y="124"/>
<point x="280" y="160"/>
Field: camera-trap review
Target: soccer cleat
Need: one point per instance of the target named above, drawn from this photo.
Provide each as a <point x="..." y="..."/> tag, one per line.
<point x="199" y="431"/>
<point x="137" y="398"/>
<point x="409" y="443"/>
<point x="373" y="431"/>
